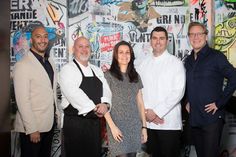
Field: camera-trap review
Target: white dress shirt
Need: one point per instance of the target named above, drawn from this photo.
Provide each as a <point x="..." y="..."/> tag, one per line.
<point x="163" y="79"/>
<point x="70" y="79"/>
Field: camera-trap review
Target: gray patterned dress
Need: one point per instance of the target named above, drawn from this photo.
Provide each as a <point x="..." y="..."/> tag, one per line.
<point x="125" y="115"/>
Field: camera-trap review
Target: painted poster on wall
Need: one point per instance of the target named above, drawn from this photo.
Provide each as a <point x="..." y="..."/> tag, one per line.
<point x="106" y="22"/>
<point x="201" y="11"/>
<point x="225" y="41"/>
<point x="225" y="29"/>
<point x="26" y="14"/>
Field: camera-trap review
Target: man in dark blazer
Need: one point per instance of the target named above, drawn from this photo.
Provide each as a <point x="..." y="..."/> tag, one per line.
<point x="206" y="69"/>
<point x="35" y="91"/>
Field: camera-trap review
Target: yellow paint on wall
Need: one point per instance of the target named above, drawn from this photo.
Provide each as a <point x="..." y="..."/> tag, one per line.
<point x="232" y="54"/>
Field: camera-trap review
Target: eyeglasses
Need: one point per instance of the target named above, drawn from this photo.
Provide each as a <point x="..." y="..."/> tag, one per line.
<point x="191" y="35"/>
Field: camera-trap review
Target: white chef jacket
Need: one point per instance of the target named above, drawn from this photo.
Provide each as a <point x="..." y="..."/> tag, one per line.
<point x="70" y="79"/>
<point x="163" y="79"/>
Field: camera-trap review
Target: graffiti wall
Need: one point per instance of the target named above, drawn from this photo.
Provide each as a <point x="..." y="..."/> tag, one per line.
<point x="106" y="22"/>
<point x="27" y="14"/>
<point x="225" y="30"/>
<point x="225" y="41"/>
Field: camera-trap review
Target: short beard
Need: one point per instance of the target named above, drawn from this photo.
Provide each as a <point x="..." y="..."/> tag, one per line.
<point x="84" y="58"/>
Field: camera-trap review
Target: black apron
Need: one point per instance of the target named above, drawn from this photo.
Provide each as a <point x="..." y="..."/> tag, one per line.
<point x="82" y="134"/>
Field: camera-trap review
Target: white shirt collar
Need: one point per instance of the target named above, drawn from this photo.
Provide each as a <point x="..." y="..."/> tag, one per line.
<point x="81" y="65"/>
<point x="162" y="56"/>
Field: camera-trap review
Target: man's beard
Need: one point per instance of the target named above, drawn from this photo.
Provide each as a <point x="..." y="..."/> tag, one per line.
<point x="84" y="58"/>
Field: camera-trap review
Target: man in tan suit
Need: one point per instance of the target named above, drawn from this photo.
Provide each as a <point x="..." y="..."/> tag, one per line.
<point x="35" y="90"/>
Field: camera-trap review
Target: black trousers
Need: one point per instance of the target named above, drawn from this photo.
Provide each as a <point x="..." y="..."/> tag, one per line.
<point x="82" y="136"/>
<point x="40" y="149"/>
<point x="163" y="143"/>
<point x="206" y="139"/>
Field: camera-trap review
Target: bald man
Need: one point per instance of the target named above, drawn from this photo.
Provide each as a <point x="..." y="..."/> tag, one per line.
<point x="86" y="97"/>
<point x="35" y="90"/>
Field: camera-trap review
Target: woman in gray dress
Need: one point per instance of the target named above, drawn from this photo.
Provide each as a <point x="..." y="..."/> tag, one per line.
<point x="126" y="120"/>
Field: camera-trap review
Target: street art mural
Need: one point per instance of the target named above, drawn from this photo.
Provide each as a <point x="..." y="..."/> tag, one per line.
<point x="201" y="11"/>
<point x="225" y="30"/>
<point x="107" y="22"/>
<point x="225" y="35"/>
<point x="225" y="41"/>
<point x="139" y="12"/>
<point x="29" y="13"/>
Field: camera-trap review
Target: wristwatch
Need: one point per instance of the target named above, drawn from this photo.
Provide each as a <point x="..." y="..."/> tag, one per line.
<point x="108" y="105"/>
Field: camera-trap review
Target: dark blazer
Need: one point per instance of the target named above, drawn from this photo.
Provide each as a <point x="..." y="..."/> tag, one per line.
<point x="205" y="77"/>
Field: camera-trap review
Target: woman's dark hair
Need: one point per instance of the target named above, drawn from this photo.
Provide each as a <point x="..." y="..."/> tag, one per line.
<point x="115" y="69"/>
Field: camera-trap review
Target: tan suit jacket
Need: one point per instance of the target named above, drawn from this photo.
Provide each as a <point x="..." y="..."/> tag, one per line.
<point x="34" y="95"/>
